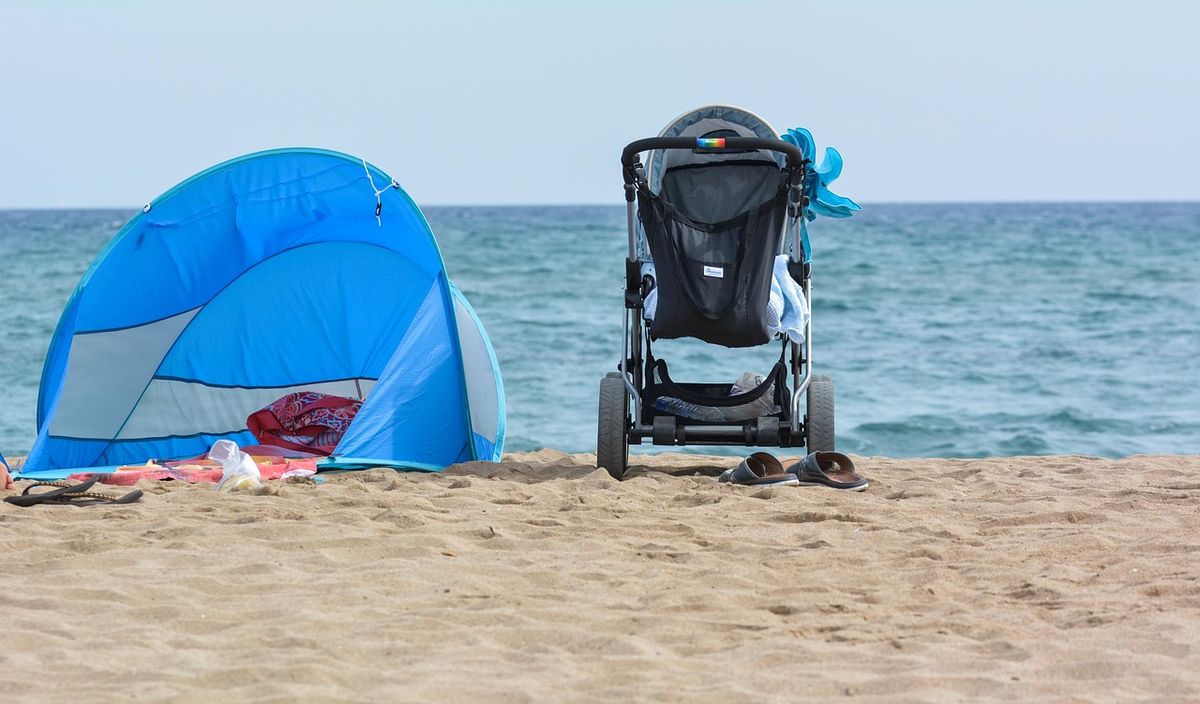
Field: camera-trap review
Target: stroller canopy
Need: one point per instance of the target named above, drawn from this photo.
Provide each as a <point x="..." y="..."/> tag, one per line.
<point x="276" y="272"/>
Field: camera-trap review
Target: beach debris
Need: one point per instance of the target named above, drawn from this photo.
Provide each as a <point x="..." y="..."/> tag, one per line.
<point x="238" y="470"/>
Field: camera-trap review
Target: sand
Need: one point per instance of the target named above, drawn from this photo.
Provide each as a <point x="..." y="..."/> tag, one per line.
<point x="1062" y="579"/>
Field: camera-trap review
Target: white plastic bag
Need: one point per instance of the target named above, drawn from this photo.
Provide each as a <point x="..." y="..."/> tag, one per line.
<point x="238" y="471"/>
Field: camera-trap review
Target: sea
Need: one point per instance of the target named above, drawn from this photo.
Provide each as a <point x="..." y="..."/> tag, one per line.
<point x="965" y="330"/>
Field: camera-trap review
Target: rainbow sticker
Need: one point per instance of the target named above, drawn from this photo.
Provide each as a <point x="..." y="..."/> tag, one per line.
<point x="710" y="142"/>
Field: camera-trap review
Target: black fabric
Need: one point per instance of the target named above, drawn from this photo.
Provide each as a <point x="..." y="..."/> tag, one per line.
<point x="633" y="284"/>
<point x="714" y="277"/>
<point x="718" y="191"/>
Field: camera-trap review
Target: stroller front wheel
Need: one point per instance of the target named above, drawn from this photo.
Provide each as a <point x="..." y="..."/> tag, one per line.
<point x="612" y="433"/>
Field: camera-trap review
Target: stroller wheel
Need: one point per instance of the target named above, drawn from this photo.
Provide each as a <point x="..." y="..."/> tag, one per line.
<point x="612" y="435"/>
<point x="818" y="421"/>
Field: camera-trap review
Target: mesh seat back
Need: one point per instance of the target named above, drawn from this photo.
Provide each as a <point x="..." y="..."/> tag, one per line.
<point x="714" y="275"/>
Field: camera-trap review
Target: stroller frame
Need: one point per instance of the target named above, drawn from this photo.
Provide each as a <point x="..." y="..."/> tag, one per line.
<point x="621" y="391"/>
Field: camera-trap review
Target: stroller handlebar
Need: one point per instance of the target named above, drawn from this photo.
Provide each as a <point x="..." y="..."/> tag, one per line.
<point x="629" y="155"/>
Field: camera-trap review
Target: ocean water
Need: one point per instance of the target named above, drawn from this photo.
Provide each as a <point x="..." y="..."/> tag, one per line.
<point x="950" y="330"/>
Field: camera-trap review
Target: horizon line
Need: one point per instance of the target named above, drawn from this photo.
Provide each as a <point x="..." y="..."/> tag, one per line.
<point x="619" y="203"/>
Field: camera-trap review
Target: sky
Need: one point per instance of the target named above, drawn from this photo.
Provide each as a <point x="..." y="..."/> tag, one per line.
<point x="522" y="102"/>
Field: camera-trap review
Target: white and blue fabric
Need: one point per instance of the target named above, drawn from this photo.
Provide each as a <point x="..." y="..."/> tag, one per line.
<point x="787" y="310"/>
<point x="281" y="271"/>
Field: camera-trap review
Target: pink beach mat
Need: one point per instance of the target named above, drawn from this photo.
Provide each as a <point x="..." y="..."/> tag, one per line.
<point x="201" y="469"/>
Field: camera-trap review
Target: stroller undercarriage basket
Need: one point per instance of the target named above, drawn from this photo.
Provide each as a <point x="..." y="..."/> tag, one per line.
<point x="718" y="404"/>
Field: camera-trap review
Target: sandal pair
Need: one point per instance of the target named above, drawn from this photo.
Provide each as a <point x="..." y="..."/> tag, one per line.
<point x="832" y="470"/>
<point x="62" y="493"/>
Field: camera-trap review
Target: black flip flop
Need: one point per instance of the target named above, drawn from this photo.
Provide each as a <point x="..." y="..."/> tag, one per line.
<point x="69" y="494"/>
<point x="828" y="469"/>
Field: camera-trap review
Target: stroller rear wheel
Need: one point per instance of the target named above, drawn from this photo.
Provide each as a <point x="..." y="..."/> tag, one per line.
<point x="818" y="421"/>
<point x="612" y="434"/>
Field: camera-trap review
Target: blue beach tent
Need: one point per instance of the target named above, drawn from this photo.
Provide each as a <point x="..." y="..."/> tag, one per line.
<point x="281" y="271"/>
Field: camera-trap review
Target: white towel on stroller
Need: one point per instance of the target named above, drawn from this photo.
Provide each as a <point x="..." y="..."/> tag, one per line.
<point x="787" y="309"/>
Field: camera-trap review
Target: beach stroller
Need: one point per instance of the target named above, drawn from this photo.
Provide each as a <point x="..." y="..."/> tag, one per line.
<point x="718" y="199"/>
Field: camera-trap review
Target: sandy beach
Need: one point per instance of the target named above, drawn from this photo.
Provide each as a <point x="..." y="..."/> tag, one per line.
<point x="1063" y="579"/>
